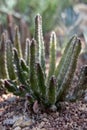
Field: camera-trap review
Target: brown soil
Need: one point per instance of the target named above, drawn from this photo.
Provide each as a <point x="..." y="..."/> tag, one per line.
<point x="71" y="116"/>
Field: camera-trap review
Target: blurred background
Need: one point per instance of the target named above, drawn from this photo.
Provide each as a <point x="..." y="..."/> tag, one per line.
<point x="65" y="17"/>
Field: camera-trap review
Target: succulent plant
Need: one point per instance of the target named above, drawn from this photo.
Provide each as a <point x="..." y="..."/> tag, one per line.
<point x="30" y="72"/>
<point x="9" y="60"/>
<point x="3" y="74"/>
<point x="81" y="86"/>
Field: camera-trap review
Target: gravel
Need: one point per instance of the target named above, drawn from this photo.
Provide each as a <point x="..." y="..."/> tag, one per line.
<point x="71" y="116"/>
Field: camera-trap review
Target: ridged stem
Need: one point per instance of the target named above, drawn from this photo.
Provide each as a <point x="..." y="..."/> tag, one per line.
<point x="18" y="68"/>
<point x="41" y="81"/>
<point x="3" y="71"/>
<point x="17" y="43"/>
<point x="10" y="60"/>
<point x="66" y="82"/>
<point x="52" y="62"/>
<point x="59" y="68"/>
<point x="52" y="91"/>
<point x="27" y="52"/>
<point x="81" y="85"/>
<point x="65" y="61"/>
<point x="33" y="75"/>
<point x="40" y="42"/>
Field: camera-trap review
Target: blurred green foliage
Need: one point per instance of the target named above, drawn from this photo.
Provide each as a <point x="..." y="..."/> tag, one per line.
<point x="50" y="10"/>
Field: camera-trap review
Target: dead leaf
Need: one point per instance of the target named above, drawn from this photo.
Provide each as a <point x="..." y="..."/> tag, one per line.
<point x="36" y="107"/>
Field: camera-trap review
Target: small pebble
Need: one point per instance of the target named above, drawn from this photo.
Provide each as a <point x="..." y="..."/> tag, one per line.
<point x="17" y="128"/>
<point x="85" y="98"/>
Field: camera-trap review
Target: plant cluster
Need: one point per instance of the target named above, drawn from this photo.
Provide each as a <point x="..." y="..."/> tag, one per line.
<point x="25" y="74"/>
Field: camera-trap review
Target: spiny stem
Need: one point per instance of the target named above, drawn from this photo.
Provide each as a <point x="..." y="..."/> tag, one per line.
<point x="10" y="60"/>
<point x="40" y="42"/>
<point x="52" y="91"/>
<point x="41" y="80"/>
<point x="18" y="68"/>
<point x="62" y="90"/>
<point x="58" y="69"/>
<point x="81" y="85"/>
<point x="17" y="43"/>
<point x="33" y="75"/>
<point x="65" y="61"/>
<point x="27" y="52"/>
<point x="52" y="63"/>
<point x="3" y="71"/>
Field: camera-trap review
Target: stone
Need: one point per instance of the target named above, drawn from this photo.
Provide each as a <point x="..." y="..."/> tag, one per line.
<point x="11" y="99"/>
<point x="26" y="123"/>
<point x="22" y="122"/>
<point x="41" y="124"/>
<point x="45" y="119"/>
<point x="1" y="111"/>
<point x="43" y="129"/>
<point x="53" y="108"/>
<point x="26" y="128"/>
<point x="36" y="128"/>
<point x="17" y="128"/>
<point x="8" y="122"/>
<point x="2" y="127"/>
<point x="18" y="122"/>
<point x="85" y="98"/>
